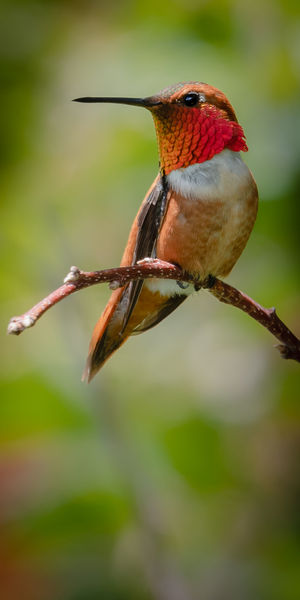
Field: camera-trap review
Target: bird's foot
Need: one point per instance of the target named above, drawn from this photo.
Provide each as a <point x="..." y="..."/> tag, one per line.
<point x="209" y="282"/>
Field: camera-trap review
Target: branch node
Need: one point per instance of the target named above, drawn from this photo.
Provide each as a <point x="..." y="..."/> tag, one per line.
<point x="73" y="275"/>
<point x="114" y="285"/>
<point x="285" y="351"/>
<point x="147" y="260"/>
<point x="17" y="324"/>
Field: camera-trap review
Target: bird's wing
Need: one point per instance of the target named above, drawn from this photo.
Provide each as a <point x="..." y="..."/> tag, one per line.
<point x="109" y="332"/>
<point x="149" y="222"/>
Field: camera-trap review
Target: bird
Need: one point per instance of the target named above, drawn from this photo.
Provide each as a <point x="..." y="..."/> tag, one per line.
<point x="198" y="213"/>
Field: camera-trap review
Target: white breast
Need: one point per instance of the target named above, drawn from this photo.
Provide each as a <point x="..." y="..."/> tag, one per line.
<point x="214" y="178"/>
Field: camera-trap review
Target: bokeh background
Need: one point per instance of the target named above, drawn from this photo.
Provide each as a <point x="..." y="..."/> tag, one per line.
<point x="175" y="474"/>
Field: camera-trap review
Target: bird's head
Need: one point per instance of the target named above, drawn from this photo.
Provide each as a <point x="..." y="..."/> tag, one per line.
<point x="194" y="121"/>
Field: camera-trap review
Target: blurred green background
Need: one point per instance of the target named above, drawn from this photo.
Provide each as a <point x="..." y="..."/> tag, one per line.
<point x="175" y="474"/>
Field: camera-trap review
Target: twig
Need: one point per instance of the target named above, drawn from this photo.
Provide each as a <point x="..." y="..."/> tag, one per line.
<point x="77" y="280"/>
<point x="267" y="317"/>
<point x="147" y="268"/>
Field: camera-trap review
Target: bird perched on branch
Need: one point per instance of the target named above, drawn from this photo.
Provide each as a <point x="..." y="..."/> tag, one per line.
<point x="198" y="213"/>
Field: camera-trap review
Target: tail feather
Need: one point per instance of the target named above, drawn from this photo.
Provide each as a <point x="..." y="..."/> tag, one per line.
<point x="106" y="337"/>
<point x="100" y="355"/>
<point x="108" y="334"/>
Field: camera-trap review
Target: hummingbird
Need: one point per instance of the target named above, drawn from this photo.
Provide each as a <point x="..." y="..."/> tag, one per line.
<point x="198" y="213"/>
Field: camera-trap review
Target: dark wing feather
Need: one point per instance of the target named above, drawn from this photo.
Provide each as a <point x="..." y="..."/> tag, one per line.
<point x="150" y="220"/>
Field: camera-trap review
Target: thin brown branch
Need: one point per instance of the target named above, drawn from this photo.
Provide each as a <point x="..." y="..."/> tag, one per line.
<point x="267" y="317"/>
<point x="77" y="280"/>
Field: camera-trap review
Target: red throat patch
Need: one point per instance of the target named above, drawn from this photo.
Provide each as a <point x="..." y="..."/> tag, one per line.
<point x="191" y="135"/>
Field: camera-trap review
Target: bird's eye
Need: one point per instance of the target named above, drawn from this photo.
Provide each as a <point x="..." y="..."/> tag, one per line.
<point x="191" y="99"/>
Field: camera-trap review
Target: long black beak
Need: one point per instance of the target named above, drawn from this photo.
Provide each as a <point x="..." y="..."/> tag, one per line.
<point x="145" y="102"/>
